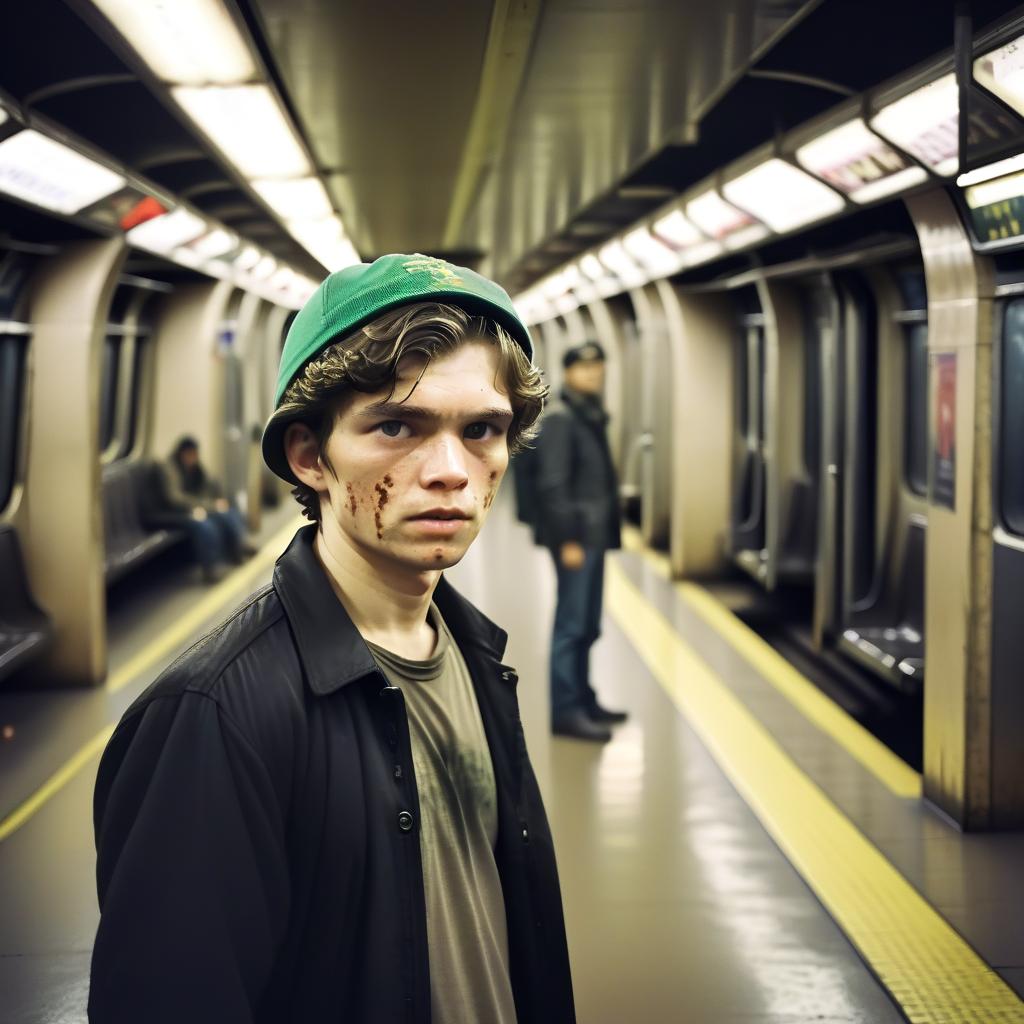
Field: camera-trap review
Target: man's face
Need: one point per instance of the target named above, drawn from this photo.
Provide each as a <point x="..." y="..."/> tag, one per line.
<point x="416" y="475"/>
<point x="586" y="376"/>
<point x="189" y="457"/>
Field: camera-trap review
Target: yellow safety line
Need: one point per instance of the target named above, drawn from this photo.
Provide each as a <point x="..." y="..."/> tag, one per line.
<point x="896" y="775"/>
<point x="188" y="625"/>
<point x="928" y="969"/>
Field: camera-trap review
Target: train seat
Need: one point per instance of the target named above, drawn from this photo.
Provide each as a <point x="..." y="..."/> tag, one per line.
<point x="128" y="542"/>
<point x="896" y="648"/>
<point x="25" y="629"/>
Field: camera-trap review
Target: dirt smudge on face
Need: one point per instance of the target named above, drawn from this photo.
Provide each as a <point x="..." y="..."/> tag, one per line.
<point x="489" y="496"/>
<point x="438" y="555"/>
<point x="351" y="498"/>
<point x="380" y="524"/>
<point x="388" y="482"/>
<point x="382" y="495"/>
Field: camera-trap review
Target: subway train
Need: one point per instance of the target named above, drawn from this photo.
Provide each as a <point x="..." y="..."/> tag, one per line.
<point x="796" y="230"/>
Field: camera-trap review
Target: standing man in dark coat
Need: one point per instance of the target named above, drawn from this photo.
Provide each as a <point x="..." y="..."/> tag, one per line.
<point x="578" y="519"/>
<point x="325" y="811"/>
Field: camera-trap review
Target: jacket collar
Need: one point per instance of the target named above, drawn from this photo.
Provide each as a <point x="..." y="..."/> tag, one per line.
<point x="587" y="407"/>
<point x="331" y="649"/>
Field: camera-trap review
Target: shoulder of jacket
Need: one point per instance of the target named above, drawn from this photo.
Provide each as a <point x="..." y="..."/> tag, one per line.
<point x="222" y="662"/>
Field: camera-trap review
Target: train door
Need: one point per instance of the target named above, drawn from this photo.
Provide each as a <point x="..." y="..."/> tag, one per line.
<point x="1008" y="541"/>
<point x="748" y="532"/>
<point x="879" y="560"/>
<point x="235" y="437"/>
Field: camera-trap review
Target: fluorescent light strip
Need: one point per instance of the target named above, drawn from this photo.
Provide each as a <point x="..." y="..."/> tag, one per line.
<point x="677" y="230"/>
<point x="186" y="42"/>
<point x="166" y="233"/>
<point x="926" y="124"/>
<point x="40" y="170"/>
<point x="1002" y="72"/>
<point x="246" y="123"/>
<point x="782" y="196"/>
<point x="714" y="216"/>
<point x="996" y="170"/>
<point x="296" y="199"/>
<point x="989" y="192"/>
<point x="4" y="116"/>
<point x="647" y="250"/>
<point x="216" y="243"/>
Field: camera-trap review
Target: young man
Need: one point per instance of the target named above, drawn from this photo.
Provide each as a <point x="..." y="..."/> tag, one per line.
<point x="578" y="519"/>
<point x="324" y="811"/>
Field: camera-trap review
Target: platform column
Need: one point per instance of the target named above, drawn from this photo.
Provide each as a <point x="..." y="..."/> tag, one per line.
<point x="958" y="709"/>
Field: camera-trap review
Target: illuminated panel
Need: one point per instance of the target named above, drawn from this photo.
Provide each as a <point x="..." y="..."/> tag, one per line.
<point x="4" y="116"/>
<point x="997" y="208"/>
<point x="651" y="253"/>
<point x="216" y="243"/>
<point x="247" y="258"/>
<point x="925" y="124"/>
<point x="591" y="267"/>
<point x="1002" y="72"/>
<point x="715" y="217"/>
<point x="40" y="170"/>
<point x="854" y="160"/>
<point x="190" y="42"/>
<point x="676" y="230"/>
<point x="621" y="264"/>
<point x="167" y="233"/>
<point x="296" y="199"/>
<point x="782" y="196"/>
<point x="247" y="125"/>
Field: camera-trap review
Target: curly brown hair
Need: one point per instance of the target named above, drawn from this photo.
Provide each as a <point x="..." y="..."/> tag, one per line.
<point x="368" y="359"/>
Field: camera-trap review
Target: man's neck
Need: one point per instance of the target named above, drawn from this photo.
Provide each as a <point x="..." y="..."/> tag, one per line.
<point x="388" y="606"/>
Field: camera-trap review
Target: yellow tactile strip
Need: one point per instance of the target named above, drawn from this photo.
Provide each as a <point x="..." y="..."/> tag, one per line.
<point x="928" y="969"/>
<point x="896" y="775"/>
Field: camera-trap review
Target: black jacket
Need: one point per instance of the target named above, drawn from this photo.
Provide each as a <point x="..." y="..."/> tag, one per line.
<point x="577" y="490"/>
<point x="257" y="828"/>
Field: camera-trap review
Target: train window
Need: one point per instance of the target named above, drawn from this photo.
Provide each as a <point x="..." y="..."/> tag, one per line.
<point x="108" y="388"/>
<point x="131" y="421"/>
<point x="1011" y="466"/>
<point x="915" y="433"/>
<point x="12" y="365"/>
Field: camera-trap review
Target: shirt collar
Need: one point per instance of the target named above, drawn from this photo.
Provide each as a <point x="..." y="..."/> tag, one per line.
<point x="331" y="649"/>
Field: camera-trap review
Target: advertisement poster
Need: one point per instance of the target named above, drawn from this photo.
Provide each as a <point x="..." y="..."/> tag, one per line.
<point x="944" y="435"/>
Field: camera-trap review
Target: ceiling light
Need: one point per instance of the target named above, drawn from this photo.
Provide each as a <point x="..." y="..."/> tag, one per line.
<point x="165" y="234"/>
<point x="49" y="174"/>
<point x="677" y="230"/>
<point x="1002" y="72"/>
<point x="215" y="243"/>
<point x="296" y="198"/>
<point x="266" y="266"/>
<point x="246" y="123"/>
<point x="996" y="170"/>
<point x="282" y="278"/>
<point x="714" y="216"/>
<point x="188" y="42"/>
<point x="991" y="192"/>
<point x="591" y="266"/>
<point x="925" y="123"/>
<point x="860" y="164"/>
<point x="4" y="116"/>
<point x="782" y="196"/>
<point x="651" y="253"/>
<point x="621" y="264"/>
<point x="247" y="258"/>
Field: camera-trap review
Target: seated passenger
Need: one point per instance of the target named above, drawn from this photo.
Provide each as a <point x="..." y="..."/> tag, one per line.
<point x="185" y="497"/>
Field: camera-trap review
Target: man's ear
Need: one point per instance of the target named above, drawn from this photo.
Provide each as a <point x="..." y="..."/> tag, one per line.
<point x="302" y="451"/>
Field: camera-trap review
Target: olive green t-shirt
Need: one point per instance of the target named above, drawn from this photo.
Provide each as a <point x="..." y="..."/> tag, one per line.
<point x="467" y="935"/>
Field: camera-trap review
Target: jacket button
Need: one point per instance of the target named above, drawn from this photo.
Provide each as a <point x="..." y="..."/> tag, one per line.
<point x="405" y="821"/>
<point x="526" y="834"/>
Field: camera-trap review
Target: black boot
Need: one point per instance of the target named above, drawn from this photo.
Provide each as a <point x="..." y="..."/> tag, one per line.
<point x="578" y="726"/>
<point x="603" y="716"/>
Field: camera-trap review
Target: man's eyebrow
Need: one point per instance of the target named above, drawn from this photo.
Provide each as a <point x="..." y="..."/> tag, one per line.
<point x="400" y="411"/>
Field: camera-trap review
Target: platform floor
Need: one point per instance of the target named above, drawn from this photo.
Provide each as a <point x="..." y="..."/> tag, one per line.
<point x="730" y="857"/>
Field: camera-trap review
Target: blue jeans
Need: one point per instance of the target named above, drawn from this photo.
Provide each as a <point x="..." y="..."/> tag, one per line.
<point x="217" y="538"/>
<point x="577" y="626"/>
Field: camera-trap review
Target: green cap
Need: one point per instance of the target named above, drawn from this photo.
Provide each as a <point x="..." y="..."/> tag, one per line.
<point x="351" y="298"/>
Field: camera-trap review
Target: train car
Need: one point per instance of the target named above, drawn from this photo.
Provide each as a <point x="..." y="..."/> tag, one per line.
<point x="795" y="231"/>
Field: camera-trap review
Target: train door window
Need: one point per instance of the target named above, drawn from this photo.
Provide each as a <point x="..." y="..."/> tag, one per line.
<point x="12" y="371"/>
<point x="916" y="405"/>
<point x="1011" y="465"/>
<point x="108" y="388"/>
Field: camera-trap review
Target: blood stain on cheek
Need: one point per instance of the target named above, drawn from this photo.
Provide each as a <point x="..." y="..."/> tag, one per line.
<point x="489" y="497"/>
<point x="380" y="524"/>
<point x="351" y="498"/>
